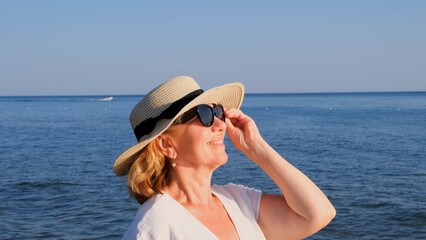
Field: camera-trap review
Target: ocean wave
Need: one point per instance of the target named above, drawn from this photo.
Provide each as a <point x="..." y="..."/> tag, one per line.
<point x="45" y="184"/>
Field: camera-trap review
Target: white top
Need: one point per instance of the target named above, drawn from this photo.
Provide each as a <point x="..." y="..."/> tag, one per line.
<point x="162" y="217"/>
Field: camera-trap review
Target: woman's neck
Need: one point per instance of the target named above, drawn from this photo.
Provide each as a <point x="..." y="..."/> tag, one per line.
<point x="190" y="188"/>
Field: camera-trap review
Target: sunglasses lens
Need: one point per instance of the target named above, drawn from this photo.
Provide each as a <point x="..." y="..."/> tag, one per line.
<point x="205" y="114"/>
<point x="218" y="112"/>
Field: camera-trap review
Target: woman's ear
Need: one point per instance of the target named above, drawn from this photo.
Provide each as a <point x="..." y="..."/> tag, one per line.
<point x="164" y="144"/>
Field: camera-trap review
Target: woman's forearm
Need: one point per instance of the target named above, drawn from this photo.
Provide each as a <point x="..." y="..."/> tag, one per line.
<point x="301" y="194"/>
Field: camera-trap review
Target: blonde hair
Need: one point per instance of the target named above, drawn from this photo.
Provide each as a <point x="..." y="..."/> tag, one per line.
<point x="149" y="174"/>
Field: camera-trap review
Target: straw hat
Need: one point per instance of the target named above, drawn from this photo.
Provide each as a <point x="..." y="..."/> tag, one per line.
<point x="160" y="107"/>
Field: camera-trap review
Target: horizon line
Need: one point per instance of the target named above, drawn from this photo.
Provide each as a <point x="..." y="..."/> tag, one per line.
<point x="247" y="93"/>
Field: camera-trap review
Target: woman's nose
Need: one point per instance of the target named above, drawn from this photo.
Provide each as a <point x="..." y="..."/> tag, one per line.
<point x="218" y="124"/>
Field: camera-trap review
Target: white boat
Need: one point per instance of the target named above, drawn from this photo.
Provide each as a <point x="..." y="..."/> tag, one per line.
<point x="107" y="99"/>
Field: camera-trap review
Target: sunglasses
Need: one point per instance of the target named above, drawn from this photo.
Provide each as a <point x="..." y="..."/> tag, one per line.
<point x="205" y="114"/>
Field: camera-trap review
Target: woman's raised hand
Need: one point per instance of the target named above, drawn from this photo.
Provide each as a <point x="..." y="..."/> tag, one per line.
<point x="242" y="130"/>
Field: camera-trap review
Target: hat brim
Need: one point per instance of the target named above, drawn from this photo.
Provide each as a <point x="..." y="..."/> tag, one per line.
<point x="229" y="95"/>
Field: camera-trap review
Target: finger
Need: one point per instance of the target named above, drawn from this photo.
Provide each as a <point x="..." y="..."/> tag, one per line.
<point x="229" y="125"/>
<point x="232" y="112"/>
<point x="234" y="115"/>
<point x="237" y="117"/>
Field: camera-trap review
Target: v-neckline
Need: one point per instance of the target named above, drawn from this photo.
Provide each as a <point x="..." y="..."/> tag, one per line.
<point x="187" y="212"/>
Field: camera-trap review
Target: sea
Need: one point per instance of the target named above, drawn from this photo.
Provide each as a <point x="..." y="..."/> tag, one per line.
<point x="366" y="151"/>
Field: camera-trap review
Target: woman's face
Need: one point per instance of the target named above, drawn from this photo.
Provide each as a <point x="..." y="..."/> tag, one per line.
<point x="198" y="146"/>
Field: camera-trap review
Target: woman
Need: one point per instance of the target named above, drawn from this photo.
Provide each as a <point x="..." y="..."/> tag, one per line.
<point x="180" y="130"/>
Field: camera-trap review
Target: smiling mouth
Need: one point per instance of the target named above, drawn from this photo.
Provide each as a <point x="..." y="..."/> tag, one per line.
<point x="215" y="143"/>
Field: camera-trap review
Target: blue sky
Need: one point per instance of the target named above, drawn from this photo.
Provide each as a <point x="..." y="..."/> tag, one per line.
<point x="127" y="47"/>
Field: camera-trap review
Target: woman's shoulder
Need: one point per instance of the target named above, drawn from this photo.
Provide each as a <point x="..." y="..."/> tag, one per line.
<point x="235" y="189"/>
<point x="150" y="206"/>
<point x="150" y="213"/>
